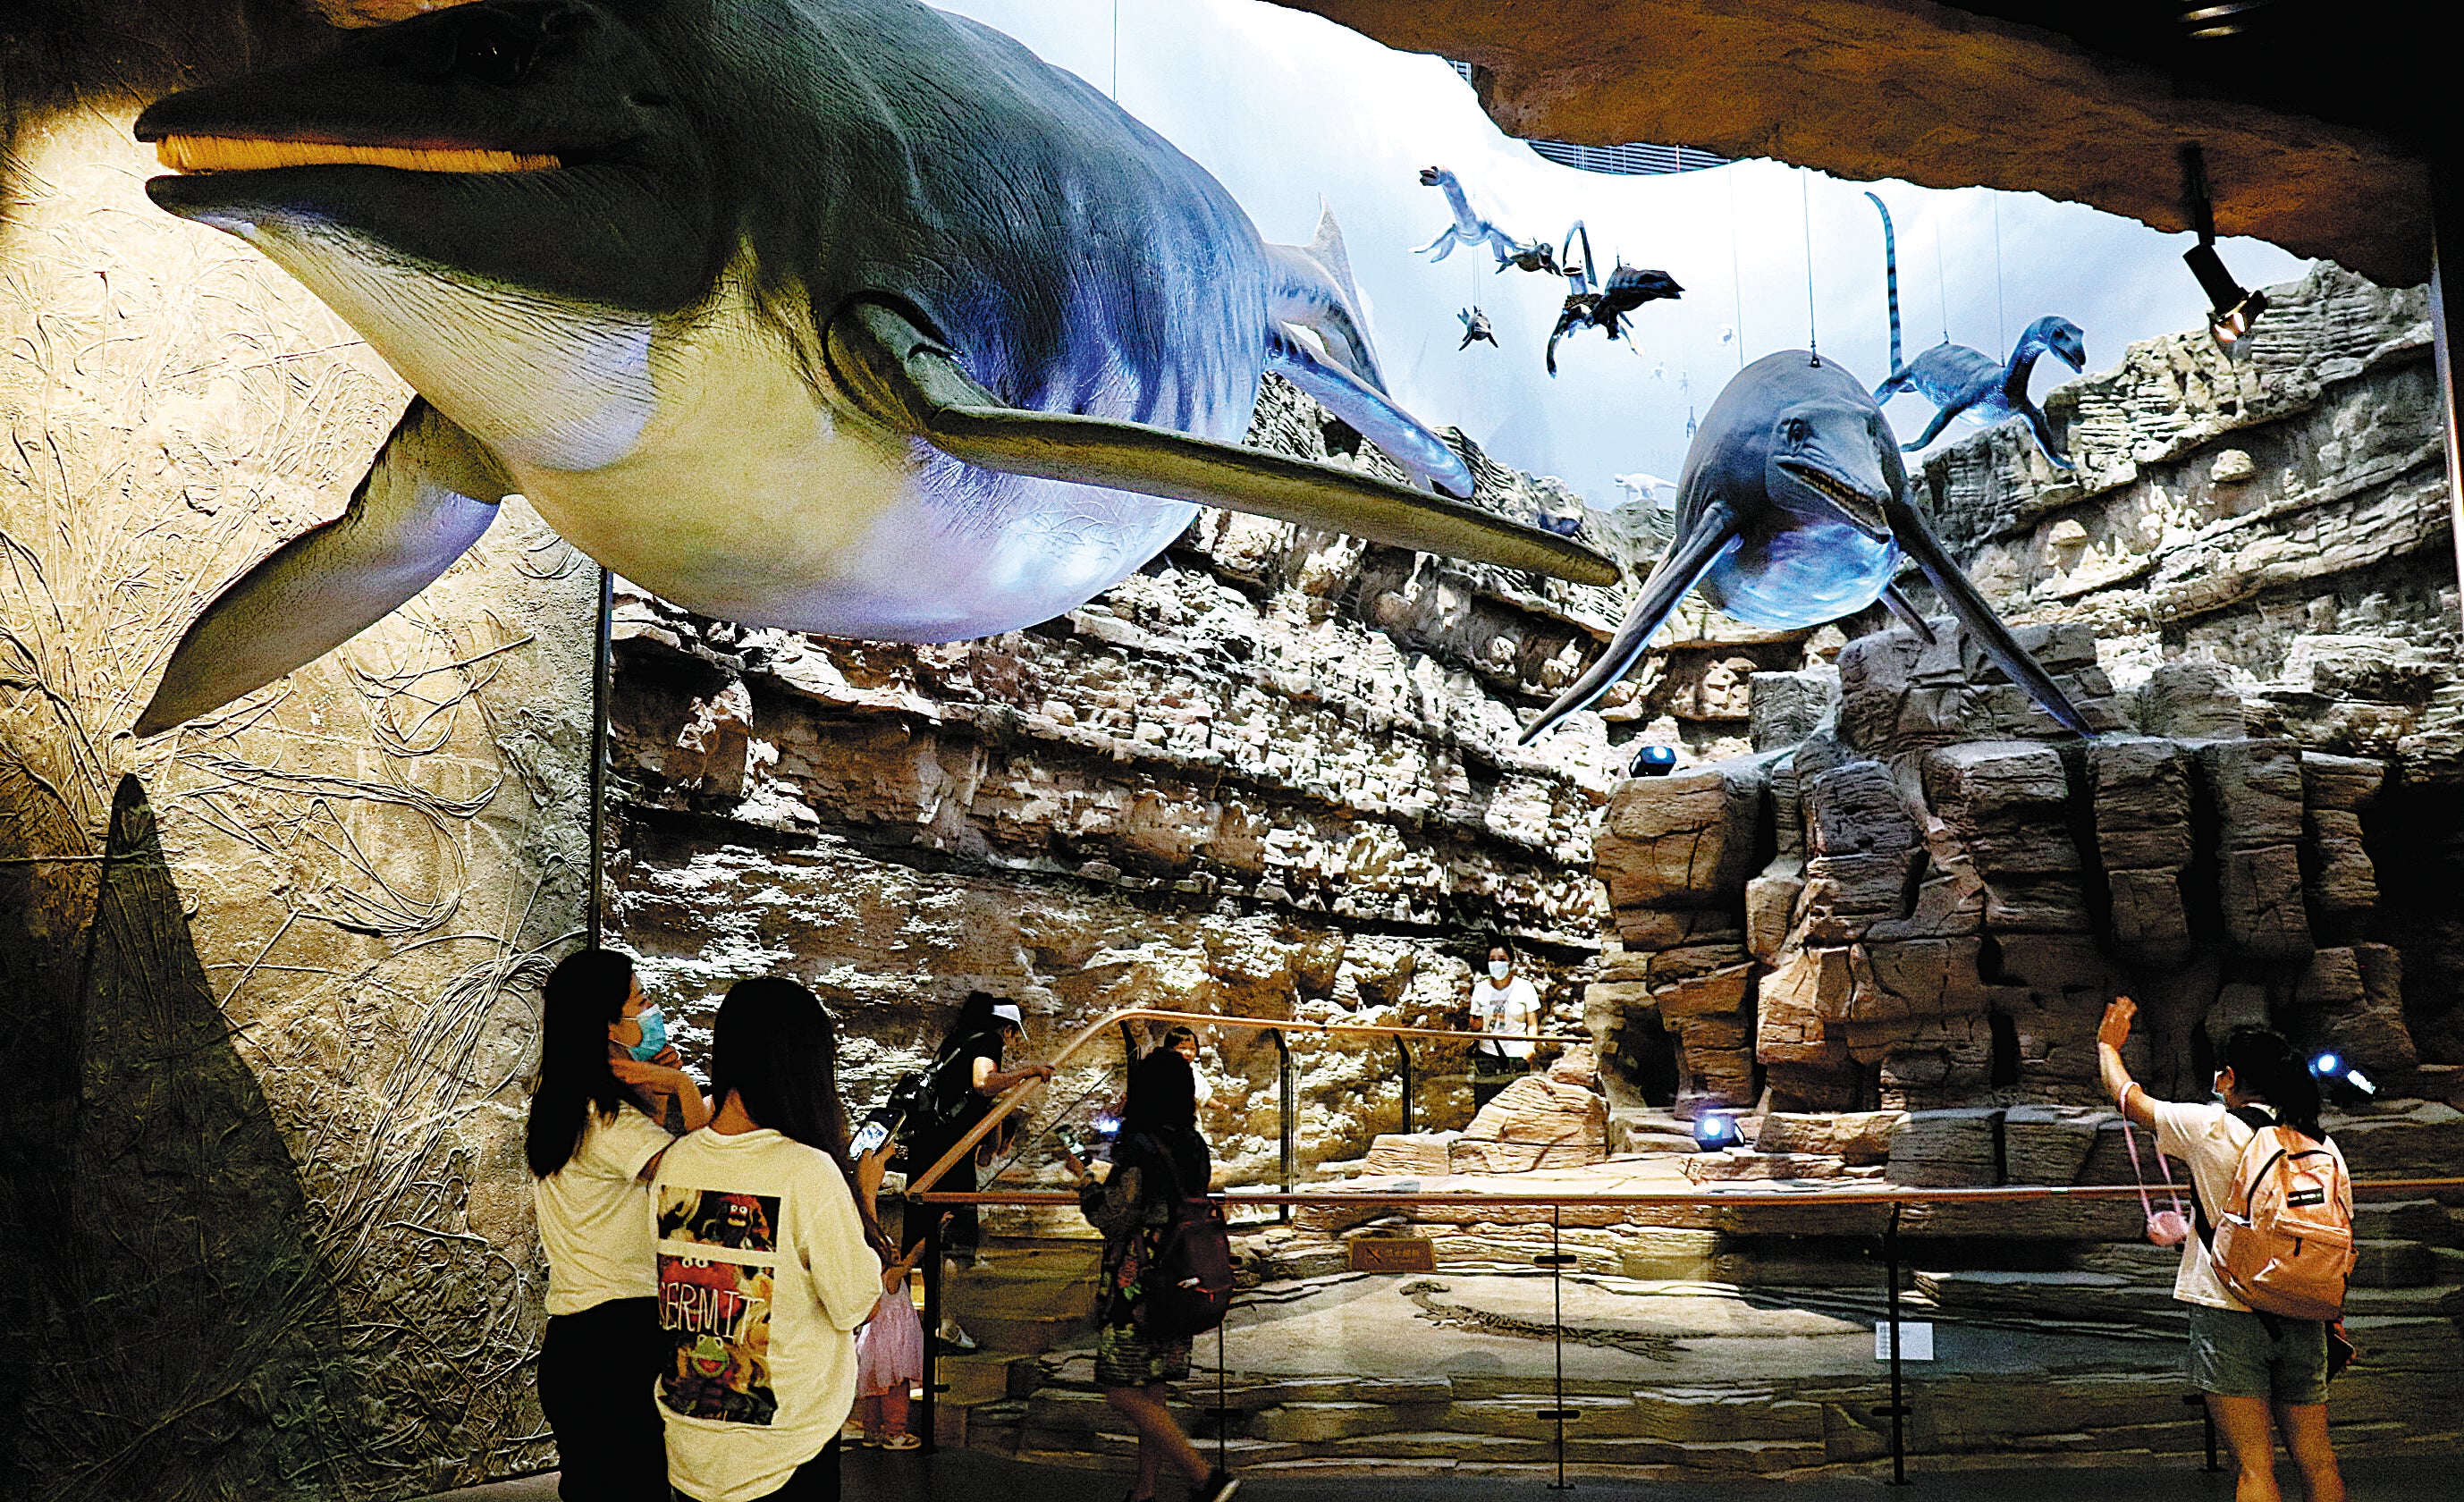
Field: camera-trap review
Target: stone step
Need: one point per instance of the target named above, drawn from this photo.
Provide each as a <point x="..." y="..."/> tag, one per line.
<point x="976" y="1378"/>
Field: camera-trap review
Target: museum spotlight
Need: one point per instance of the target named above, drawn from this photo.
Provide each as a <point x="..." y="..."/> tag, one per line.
<point x="1653" y="761"/>
<point x="1716" y="1130"/>
<point x="2232" y="310"/>
<point x="2333" y="1068"/>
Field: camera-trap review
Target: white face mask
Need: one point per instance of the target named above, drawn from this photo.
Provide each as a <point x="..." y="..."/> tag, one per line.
<point x="1499" y="969"/>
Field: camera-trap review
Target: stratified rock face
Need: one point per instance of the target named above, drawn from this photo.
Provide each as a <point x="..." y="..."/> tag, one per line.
<point x="1272" y="776"/>
<point x="269" y="981"/>
<point x="1943" y="919"/>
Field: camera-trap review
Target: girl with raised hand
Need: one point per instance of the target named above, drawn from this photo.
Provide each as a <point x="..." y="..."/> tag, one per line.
<point x="593" y="1139"/>
<point x="766" y="1260"/>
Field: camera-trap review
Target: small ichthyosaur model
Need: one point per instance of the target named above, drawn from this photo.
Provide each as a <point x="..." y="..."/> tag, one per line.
<point x="1470" y="229"/>
<point x="1957" y="379"/>
<point x="1475" y="324"/>
<point x="1791" y="511"/>
<point x="841" y="316"/>
<point x="1590" y="304"/>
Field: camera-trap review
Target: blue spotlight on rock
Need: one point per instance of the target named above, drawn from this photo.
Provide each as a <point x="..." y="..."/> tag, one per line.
<point x="1654" y="760"/>
<point x="1715" y="1131"/>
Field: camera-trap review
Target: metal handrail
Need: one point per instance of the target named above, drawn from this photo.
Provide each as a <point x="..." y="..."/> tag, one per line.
<point x="1011" y="1099"/>
<point x="1902" y="1196"/>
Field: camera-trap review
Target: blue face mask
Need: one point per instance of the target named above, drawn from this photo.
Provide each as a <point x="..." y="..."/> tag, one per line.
<point x="654" y="1035"/>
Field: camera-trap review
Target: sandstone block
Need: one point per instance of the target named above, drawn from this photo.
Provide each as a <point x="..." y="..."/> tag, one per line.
<point x="1685" y="840"/>
<point x="2191" y="700"/>
<point x="2343" y="878"/>
<point x="1721" y="993"/>
<point x="1492" y="1156"/>
<point x="1795" y="1003"/>
<point x="1416" y="1155"/>
<point x="2150" y="921"/>
<point x="2048" y="1145"/>
<point x="1770" y="903"/>
<point x="1938" y="1149"/>
<point x="2260" y="892"/>
<point x="1856" y="810"/>
<point x="1986" y="785"/>
<point x="1737" y="1164"/>
<point x="2348" y="782"/>
<point x="2255" y="787"/>
<point x="1787" y="707"/>
<point x="1854" y="1137"/>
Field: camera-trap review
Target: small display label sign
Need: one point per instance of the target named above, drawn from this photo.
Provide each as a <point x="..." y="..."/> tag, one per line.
<point x="1916" y="1340"/>
<point x="1392" y="1254"/>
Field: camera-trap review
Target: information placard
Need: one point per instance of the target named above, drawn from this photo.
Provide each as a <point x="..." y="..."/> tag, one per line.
<point x="1916" y="1340"/>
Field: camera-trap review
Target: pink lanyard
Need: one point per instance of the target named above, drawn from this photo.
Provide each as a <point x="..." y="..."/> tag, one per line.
<point x="2132" y="1143"/>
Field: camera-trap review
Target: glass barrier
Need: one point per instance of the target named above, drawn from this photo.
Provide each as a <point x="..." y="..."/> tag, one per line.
<point x="1619" y="1318"/>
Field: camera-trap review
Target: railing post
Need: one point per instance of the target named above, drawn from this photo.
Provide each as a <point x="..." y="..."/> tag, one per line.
<point x="1555" y="1262"/>
<point x="932" y="1331"/>
<point x="1284" y="1101"/>
<point x="1403" y="1053"/>
<point x="2207" y="1419"/>
<point x="1897" y="1411"/>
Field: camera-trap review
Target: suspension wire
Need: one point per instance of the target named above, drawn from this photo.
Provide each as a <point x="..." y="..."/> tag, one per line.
<point x="1117" y="52"/>
<point x="1805" y="217"/>
<point x="1941" y="282"/>
<point x="2001" y="324"/>
<point x="1736" y="277"/>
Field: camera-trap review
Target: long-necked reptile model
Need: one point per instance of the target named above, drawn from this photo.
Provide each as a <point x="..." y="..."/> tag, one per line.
<point x="1957" y="379"/>
<point x="845" y="316"/>
<point x="1470" y="229"/>
<point x="1590" y="302"/>
<point x="1791" y="511"/>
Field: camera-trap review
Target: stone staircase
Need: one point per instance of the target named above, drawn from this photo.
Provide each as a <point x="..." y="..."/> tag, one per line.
<point x="1033" y="1293"/>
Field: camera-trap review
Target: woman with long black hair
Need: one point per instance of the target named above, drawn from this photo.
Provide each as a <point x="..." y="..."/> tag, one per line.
<point x="2251" y="1366"/>
<point x="1157" y="1158"/>
<point x="766" y="1260"/>
<point x="594" y="1134"/>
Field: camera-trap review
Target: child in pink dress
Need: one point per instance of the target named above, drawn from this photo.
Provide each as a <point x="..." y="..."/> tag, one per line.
<point x="889" y="1360"/>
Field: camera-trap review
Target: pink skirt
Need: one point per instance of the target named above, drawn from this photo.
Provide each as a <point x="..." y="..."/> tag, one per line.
<point x="889" y="1348"/>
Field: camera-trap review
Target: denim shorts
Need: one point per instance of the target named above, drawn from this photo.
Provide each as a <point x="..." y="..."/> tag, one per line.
<point x="2232" y="1354"/>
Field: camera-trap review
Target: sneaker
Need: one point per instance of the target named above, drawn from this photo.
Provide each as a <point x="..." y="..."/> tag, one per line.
<point x="903" y="1442"/>
<point x="1217" y="1487"/>
<point x="955" y="1338"/>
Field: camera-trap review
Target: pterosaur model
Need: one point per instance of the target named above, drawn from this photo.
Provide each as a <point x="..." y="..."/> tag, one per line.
<point x="1792" y="510"/>
<point x="845" y="316"/>
<point x="1475" y="324"/>
<point x="1957" y="379"/>
<point x="1470" y="229"/>
<point x="1590" y="304"/>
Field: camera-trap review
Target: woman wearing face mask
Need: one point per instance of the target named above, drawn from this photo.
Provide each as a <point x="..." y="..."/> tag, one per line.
<point x="593" y="1139"/>
<point x="1501" y="1002"/>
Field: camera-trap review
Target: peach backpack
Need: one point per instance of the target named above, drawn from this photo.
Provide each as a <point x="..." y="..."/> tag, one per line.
<point x="2284" y="1241"/>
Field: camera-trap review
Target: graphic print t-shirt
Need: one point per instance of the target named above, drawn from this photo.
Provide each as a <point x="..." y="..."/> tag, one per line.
<point x="764" y="1274"/>
<point x="1511" y="1007"/>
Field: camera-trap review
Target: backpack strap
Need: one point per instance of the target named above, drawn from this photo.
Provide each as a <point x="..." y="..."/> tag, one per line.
<point x="2257" y="1120"/>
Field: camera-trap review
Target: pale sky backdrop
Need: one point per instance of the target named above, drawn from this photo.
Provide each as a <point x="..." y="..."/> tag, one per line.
<point x="1287" y="107"/>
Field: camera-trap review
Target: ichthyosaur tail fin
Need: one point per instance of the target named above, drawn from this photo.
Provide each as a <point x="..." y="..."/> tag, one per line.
<point x="1312" y="289"/>
<point x="1890" y="280"/>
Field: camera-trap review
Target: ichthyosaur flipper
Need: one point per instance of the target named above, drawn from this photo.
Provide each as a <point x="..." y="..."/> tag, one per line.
<point x="431" y="494"/>
<point x="1679" y="570"/>
<point x="906" y="377"/>
<point x="1978" y="617"/>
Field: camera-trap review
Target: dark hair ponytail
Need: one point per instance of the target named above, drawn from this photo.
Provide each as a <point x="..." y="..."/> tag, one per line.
<point x="776" y="1050"/>
<point x="585" y="993"/>
<point x="2265" y="1067"/>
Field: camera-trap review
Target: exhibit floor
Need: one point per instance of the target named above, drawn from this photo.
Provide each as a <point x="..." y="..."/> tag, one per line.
<point x="962" y="1476"/>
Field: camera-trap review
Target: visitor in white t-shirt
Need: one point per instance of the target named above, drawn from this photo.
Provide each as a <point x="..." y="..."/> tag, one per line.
<point x="767" y="1262"/>
<point x="606" y="1081"/>
<point x="2252" y="1367"/>
<point x="1501" y="1002"/>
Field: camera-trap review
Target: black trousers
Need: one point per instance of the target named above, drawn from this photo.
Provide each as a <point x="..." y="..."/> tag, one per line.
<point x="594" y="1372"/>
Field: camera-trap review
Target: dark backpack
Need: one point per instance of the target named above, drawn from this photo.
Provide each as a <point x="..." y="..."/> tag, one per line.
<point x="1187" y="1286"/>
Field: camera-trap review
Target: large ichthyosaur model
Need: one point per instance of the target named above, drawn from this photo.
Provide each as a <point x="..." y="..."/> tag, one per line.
<point x="1957" y="379"/>
<point x="1791" y="511"/>
<point x="842" y="315"/>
